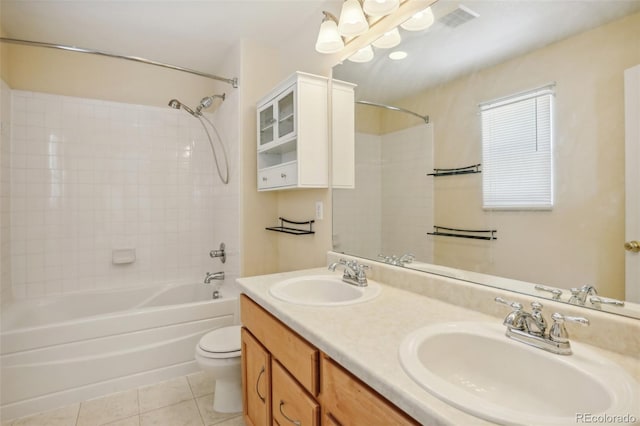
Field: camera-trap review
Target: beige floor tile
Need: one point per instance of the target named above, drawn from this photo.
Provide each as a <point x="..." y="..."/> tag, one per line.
<point x="201" y="383"/>
<point x="108" y="409"/>
<point x="65" y="416"/>
<point x="235" y="421"/>
<point x="210" y="417"/>
<point x="129" y="421"/>
<point x="164" y="394"/>
<point x="182" y="414"/>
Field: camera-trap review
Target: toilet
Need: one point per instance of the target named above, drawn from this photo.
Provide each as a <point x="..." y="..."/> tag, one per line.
<point x="218" y="352"/>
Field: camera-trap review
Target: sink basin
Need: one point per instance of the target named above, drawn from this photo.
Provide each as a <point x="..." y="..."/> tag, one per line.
<point x="322" y="290"/>
<point x="477" y="369"/>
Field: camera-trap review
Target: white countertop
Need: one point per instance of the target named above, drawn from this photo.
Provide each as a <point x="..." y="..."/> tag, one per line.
<point x="364" y="338"/>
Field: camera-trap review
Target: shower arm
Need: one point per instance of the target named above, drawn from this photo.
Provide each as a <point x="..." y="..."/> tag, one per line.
<point x="232" y="81"/>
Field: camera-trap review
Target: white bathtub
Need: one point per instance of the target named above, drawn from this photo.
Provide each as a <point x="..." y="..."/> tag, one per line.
<point x="70" y="348"/>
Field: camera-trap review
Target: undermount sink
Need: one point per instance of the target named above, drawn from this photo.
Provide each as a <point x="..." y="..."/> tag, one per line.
<point x="477" y="369"/>
<point x="323" y="290"/>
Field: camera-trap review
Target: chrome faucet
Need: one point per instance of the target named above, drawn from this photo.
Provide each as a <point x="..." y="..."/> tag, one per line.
<point x="213" y="276"/>
<point x="354" y="272"/>
<point x="531" y="328"/>
<point x="397" y="261"/>
<point x="579" y="295"/>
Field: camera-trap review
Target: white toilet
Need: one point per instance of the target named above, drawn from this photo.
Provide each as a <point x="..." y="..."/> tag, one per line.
<point x="218" y="352"/>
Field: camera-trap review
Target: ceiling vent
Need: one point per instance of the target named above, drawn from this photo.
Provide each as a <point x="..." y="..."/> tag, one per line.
<point x="458" y="16"/>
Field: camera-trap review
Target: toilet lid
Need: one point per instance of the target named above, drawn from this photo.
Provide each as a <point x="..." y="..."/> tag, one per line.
<point x="222" y="340"/>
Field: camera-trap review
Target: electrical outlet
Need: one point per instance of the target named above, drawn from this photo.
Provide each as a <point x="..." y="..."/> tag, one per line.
<point x="319" y="210"/>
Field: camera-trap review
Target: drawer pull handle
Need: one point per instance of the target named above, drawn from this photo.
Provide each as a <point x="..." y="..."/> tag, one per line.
<point x="295" y="422"/>
<point x="264" y="178"/>
<point x="283" y="175"/>
<point x="262" y="398"/>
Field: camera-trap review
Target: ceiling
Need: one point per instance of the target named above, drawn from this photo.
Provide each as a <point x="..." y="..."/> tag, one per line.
<point x="504" y="29"/>
<point x="192" y="34"/>
<point x="199" y="34"/>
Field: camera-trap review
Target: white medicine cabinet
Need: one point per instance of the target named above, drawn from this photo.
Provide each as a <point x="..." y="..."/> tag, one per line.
<point x="293" y="134"/>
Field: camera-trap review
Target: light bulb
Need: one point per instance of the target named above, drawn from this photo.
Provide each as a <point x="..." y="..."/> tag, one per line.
<point x="352" y="20"/>
<point x="389" y="39"/>
<point x="363" y="55"/>
<point x="329" y="41"/>
<point x="419" y="21"/>
<point x="380" y="7"/>
<point x="397" y="55"/>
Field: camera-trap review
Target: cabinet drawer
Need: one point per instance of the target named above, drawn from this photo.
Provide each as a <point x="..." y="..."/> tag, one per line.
<point x="291" y="404"/>
<point x="276" y="177"/>
<point x="299" y="357"/>
<point x="348" y="401"/>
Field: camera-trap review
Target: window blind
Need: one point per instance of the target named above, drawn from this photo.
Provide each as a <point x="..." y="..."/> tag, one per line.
<point x="517" y="158"/>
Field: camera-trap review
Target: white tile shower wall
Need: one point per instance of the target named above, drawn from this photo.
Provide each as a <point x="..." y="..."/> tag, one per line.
<point x="5" y="200"/>
<point x="357" y="219"/>
<point x="407" y="158"/>
<point x="91" y="176"/>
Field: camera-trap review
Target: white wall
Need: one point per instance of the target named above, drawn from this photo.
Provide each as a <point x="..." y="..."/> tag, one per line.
<point x="407" y="191"/>
<point x="89" y="176"/>
<point x="390" y="210"/>
<point x="355" y="231"/>
<point x="5" y="201"/>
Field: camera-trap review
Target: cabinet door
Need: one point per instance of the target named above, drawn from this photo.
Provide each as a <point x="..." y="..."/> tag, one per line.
<point x="291" y="405"/>
<point x="286" y="104"/>
<point x="256" y="381"/>
<point x="348" y="401"/>
<point x="266" y="124"/>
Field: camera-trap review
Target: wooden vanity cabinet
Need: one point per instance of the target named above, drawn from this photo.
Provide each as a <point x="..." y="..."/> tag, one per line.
<point x="283" y="384"/>
<point x="256" y="375"/>
<point x="348" y="401"/>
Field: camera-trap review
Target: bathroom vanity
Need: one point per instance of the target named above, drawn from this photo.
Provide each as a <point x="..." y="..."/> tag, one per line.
<point x="340" y="364"/>
<point x="289" y="380"/>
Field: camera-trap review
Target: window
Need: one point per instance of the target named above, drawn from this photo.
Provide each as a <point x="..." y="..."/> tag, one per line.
<point x="517" y="158"/>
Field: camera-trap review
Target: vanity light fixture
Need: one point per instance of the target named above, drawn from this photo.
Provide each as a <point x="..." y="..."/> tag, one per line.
<point x="389" y="39"/>
<point x="352" y="21"/>
<point x="380" y="7"/>
<point x="419" y="21"/>
<point x="329" y="40"/>
<point x="363" y="55"/>
<point x="398" y="55"/>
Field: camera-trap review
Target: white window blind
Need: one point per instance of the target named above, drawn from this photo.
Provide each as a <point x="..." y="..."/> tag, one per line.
<point x="517" y="158"/>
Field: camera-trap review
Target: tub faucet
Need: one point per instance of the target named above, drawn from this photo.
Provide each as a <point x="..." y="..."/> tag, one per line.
<point x="213" y="276"/>
<point x="353" y="272"/>
<point x="531" y="328"/>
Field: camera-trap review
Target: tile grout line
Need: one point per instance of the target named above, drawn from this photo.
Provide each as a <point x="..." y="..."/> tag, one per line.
<point x="195" y="401"/>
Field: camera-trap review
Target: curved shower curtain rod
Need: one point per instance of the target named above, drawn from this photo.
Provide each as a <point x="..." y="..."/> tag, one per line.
<point x="425" y="118"/>
<point x="232" y="81"/>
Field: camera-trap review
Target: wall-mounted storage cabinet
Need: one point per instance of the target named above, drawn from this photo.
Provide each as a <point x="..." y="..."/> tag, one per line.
<point x="293" y="133"/>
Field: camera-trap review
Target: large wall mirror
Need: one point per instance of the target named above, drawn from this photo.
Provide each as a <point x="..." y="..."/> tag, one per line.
<point x="477" y="52"/>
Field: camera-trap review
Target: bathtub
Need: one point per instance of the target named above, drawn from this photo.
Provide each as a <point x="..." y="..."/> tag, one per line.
<point x="69" y="348"/>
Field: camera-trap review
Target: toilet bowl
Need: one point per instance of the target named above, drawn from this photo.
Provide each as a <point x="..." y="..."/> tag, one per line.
<point x="218" y="352"/>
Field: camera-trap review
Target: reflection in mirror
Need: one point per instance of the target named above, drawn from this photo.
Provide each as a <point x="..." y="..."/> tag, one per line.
<point x="582" y="50"/>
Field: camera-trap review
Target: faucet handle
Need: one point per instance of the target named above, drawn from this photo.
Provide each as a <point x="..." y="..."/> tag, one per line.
<point x="558" y="332"/>
<point x="596" y="300"/>
<point x="556" y="292"/>
<point x="515" y="305"/>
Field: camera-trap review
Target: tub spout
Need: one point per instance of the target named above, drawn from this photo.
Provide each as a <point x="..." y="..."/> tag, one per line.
<point x="213" y="276"/>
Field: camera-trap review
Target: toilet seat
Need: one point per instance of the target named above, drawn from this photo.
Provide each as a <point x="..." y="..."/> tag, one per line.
<point x="221" y="343"/>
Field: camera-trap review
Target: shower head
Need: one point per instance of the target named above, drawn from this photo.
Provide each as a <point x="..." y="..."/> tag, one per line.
<point x="207" y="101"/>
<point x="176" y="104"/>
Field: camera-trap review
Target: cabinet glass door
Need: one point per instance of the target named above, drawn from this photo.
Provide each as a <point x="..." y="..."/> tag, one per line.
<point x="266" y="122"/>
<point x="286" y="115"/>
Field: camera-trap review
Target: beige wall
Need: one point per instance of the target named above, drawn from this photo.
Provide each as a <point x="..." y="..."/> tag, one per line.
<point x="580" y="240"/>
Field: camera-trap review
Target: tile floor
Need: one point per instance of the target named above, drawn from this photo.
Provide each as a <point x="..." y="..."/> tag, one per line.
<point x="185" y="401"/>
